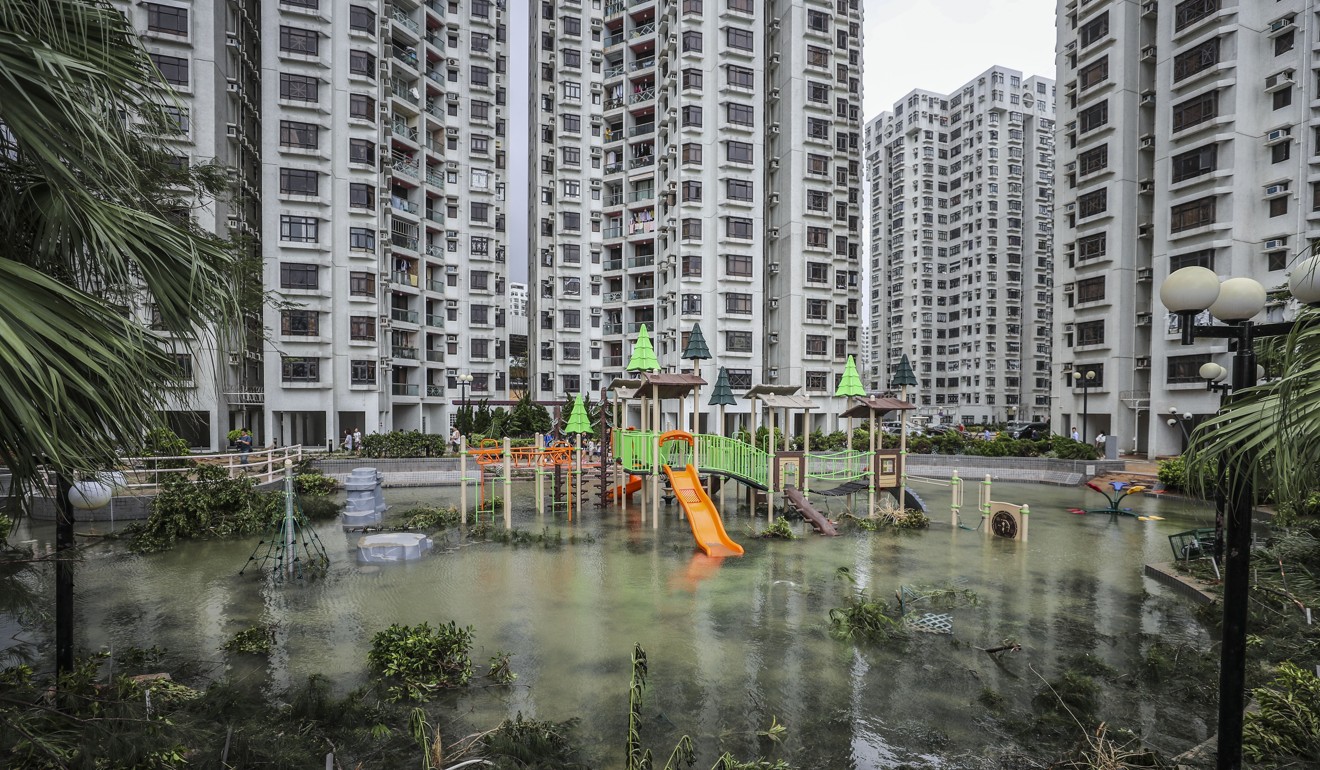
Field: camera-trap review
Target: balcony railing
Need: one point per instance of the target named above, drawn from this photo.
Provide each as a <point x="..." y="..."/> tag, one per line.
<point x="436" y="216"/>
<point x="403" y="278"/>
<point x="399" y="204"/>
<point x="615" y="71"/>
<point x="438" y="41"/>
<point x="405" y="165"/>
<point x="614" y="104"/>
<point x="642" y="161"/>
<point x="612" y="328"/>
<point x="614" y="264"/>
<point x="644" y="95"/>
<point x="435" y="391"/>
<point x="613" y="232"/>
<point x="435" y="180"/>
<point x="641" y="294"/>
<point x="435" y="356"/>
<point x="641" y="130"/>
<point x="642" y="64"/>
<point x="403" y="389"/>
<point x="614" y="296"/>
<point x="613" y="360"/>
<point x="613" y="40"/>
<point x="404" y="91"/>
<point x="404" y="352"/>
<point x="404" y="315"/>
<point x="644" y="29"/>
<point x="647" y="195"/>
<point x="404" y="242"/>
<point x="645" y="261"/>
<point x="401" y="128"/>
<point x="435" y="251"/>
<point x="436" y="286"/>
<point x="614" y="200"/>
<point x="614" y="8"/>
<point x="403" y="19"/>
<point x="436" y="321"/>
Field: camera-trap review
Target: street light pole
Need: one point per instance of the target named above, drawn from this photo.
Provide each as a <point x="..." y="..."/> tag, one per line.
<point x="1086" y="382"/>
<point x="464" y="380"/>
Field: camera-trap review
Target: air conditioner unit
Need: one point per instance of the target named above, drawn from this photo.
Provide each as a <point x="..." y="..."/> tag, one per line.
<point x="452" y="165"/>
<point x="1072" y="46"/>
<point x="1149" y="8"/>
<point x="235" y="359"/>
<point x="773" y="337"/>
<point x="1276" y="189"/>
<point x="774" y="266"/>
<point x="231" y="40"/>
<point x="774" y="127"/>
<point x="595" y="55"/>
<point x="1143" y="319"/>
<point x="774" y="199"/>
<point x="595" y="152"/>
<point x="595" y="88"/>
<point x="774" y="25"/>
<point x="1141" y="362"/>
<point x="1148" y="98"/>
<point x="772" y="373"/>
<point x="673" y="150"/>
<point x="773" y="302"/>
<point x="596" y="24"/>
<point x="774" y="60"/>
<point x="595" y="184"/>
<point x="1147" y="142"/>
<point x="1278" y="134"/>
<point x="772" y="232"/>
<point x="673" y="39"/>
<point x="233" y="88"/>
<point x="595" y="344"/>
<point x="452" y="131"/>
<point x="595" y="311"/>
<point x="1146" y="186"/>
<point x="1275" y="243"/>
<point x="453" y="63"/>
<point x="1148" y="53"/>
<point x="774" y="164"/>
<point x="231" y="129"/>
<point x="1145" y="274"/>
<point x="451" y="234"/>
<point x="774" y="94"/>
<point x="1279" y="26"/>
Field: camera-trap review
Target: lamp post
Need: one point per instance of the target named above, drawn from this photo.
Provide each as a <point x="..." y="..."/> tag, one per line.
<point x="1188" y="292"/>
<point x="1086" y="382"/>
<point x="83" y="495"/>
<point x="464" y="380"/>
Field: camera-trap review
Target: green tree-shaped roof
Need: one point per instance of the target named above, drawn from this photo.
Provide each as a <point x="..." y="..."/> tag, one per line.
<point x="722" y="395"/>
<point x="643" y="355"/>
<point x="578" y="421"/>
<point x="696" y="348"/>
<point x="850" y="384"/>
<point x="904" y="375"/>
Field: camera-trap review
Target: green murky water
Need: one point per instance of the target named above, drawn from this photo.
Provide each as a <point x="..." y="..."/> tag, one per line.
<point x="730" y="643"/>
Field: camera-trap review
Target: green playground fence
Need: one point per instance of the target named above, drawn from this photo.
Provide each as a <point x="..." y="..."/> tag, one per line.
<point x="842" y="465"/>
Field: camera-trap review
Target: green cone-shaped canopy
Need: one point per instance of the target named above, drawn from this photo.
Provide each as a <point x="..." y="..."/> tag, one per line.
<point x="850" y="384"/>
<point x="643" y="355"/>
<point x="904" y="375"/>
<point x="696" y="348"/>
<point x="577" y="419"/>
<point x="722" y="395"/>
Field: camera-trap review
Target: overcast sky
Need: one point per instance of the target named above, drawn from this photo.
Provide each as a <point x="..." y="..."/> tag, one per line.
<point x="939" y="45"/>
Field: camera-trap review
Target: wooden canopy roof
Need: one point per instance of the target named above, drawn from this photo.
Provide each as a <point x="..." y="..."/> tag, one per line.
<point x="663" y="385"/>
<point x="862" y="407"/>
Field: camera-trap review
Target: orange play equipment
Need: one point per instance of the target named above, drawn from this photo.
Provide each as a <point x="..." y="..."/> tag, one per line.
<point x="707" y="528"/>
<point x="634" y="484"/>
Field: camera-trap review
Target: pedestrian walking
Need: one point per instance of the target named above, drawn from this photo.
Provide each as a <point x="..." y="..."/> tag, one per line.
<point x="1075" y="435"/>
<point x="357" y="441"/>
<point x="455" y="438"/>
<point x="244" y="445"/>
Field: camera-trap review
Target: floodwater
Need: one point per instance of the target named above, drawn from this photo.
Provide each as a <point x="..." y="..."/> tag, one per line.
<point x="731" y="644"/>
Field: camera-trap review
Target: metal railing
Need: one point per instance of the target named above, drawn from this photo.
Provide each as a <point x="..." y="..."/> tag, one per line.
<point x="142" y="474"/>
<point x="436" y="321"/>
<point x="404" y="315"/>
<point x="636" y="451"/>
<point x="403" y="352"/>
<point x="403" y="389"/>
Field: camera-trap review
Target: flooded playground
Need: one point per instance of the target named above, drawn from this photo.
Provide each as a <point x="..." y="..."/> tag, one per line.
<point x="732" y="643"/>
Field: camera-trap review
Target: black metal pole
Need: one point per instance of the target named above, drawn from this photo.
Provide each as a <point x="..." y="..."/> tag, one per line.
<point x="1237" y="574"/>
<point x="63" y="576"/>
<point x="1086" y="405"/>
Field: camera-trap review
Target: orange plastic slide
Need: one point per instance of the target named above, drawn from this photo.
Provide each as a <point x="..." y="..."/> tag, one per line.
<point x="707" y="529"/>
<point x="634" y="484"/>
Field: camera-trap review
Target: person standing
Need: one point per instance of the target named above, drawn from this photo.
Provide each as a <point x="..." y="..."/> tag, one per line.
<point x="1074" y="434"/>
<point x="347" y="442"/>
<point x="244" y="445"/>
<point x="357" y="441"/>
<point x="454" y="439"/>
<point x="1100" y="443"/>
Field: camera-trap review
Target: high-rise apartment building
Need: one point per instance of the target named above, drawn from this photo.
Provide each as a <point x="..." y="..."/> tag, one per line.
<point x="1187" y="137"/>
<point x="695" y="162"/>
<point x="368" y="142"/>
<point x="961" y="201"/>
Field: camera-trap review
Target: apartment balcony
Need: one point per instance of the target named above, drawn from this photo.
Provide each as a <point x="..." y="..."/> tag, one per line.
<point x="645" y="261"/>
<point x="435" y="321"/>
<point x="406" y="57"/>
<point x="641" y="161"/>
<point x="437" y="7"/>
<point x="401" y="128"/>
<point x="435" y="356"/>
<point x="436" y="76"/>
<point x="615" y="7"/>
<point x="402" y="18"/>
<point x="613" y="264"/>
<point x="406" y="166"/>
<point x="615" y="199"/>
<point x="438" y="42"/>
<point x="612" y="328"/>
<point x="402" y="89"/>
<point x="639" y="294"/>
<point x="435" y="391"/>
<point x="403" y="278"/>
<point x="642" y="30"/>
<point x="643" y="64"/>
<point x="435" y="179"/>
<point x="616" y="361"/>
<point x="401" y="241"/>
<point x="643" y="129"/>
<point x="613" y="232"/>
<point x="614" y="39"/>
<point x="644" y="95"/>
<point x="614" y="104"/>
<point x="646" y="195"/>
<point x="403" y="315"/>
<point x="404" y="352"/>
<point x="613" y="296"/>
<point x="615" y="71"/>
<point x="435" y="252"/>
<point x="402" y="204"/>
<point x="403" y="389"/>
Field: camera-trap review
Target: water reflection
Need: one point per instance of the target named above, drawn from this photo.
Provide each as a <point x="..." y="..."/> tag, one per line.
<point x="731" y="643"/>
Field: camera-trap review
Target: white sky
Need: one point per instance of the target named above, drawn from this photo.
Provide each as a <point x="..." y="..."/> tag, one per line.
<point x="939" y="45"/>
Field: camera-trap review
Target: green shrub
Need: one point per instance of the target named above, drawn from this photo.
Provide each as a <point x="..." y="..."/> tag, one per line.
<point x="1287" y="725"/>
<point x="1172" y="473"/>
<point x="162" y="442"/>
<point x="404" y="443"/>
<point x="419" y="660"/>
<point x="319" y="507"/>
<point x="255" y="640"/>
<point x="779" y="529"/>
<point x="314" y="483"/>
<point x="430" y="517"/>
<point x="213" y="505"/>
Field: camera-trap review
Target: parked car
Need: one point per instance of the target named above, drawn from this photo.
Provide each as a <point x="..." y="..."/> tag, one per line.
<point x="1030" y="430"/>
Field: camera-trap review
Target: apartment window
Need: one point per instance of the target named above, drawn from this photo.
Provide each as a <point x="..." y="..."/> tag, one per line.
<point x="480" y="211"/>
<point x="742" y="6"/>
<point x="572" y="156"/>
<point x="362" y="63"/>
<point x="361" y="239"/>
<point x="818" y="272"/>
<point x="481" y="9"/>
<point x="738" y="342"/>
<point x="739" y="77"/>
<point x="361" y="19"/>
<point x="1091" y="247"/>
<point x="691" y="229"/>
<point x="299" y="41"/>
<point x="818" y="345"/>
<point x="1093" y="117"/>
<point x="299" y="229"/>
<point x="1094" y="73"/>
<point x="818" y="164"/>
<point x="173" y="69"/>
<point x="691" y="41"/>
<point x="1092" y="203"/>
<point x="692" y="153"/>
<point x="362" y="372"/>
<point x="571" y="57"/>
<point x="571" y="124"/>
<point x="361" y="195"/>
<point x="1201" y="258"/>
<point x="738" y="190"/>
<point x="1276" y="260"/>
<point x="1197" y="213"/>
<point x="818" y="310"/>
<point x="738" y="265"/>
<point x="294" y="369"/>
<point x="1182" y="369"/>
<point x="1280" y="152"/>
<point x="738" y="152"/>
<point x="1284" y="43"/>
<point x="739" y="227"/>
<point x="1094" y="29"/>
<point x="692" y="6"/>
<point x="479" y="246"/>
<point x="818" y="57"/>
<point x="740" y="39"/>
<point x="297" y="275"/>
<point x="818" y="128"/>
<point x="818" y="381"/>
<point x="167" y="19"/>
<point x="690" y="304"/>
<point x="818" y="21"/>
<point x="691" y="191"/>
<point x="299" y="88"/>
<point x="1278" y="206"/>
<point x="362" y="328"/>
<point x="692" y="79"/>
<point x="1282" y="98"/>
<point x="480" y="76"/>
<point x="818" y="92"/>
<point x="362" y="151"/>
<point x="1196" y="59"/>
<point x="571" y="221"/>
<point x="304" y="136"/>
<point x="691" y="115"/>
<point x="1090" y="333"/>
<point x="361" y="106"/>
<point x="571" y="90"/>
<point x="570" y="253"/>
<point x="480" y="145"/>
<point x="298" y="181"/>
<point x="1091" y="289"/>
<point x="1093" y="160"/>
<point x="299" y="323"/>
<point x="741" y="114"/>
<point x="818" y="200"/>
<point x="818" y="237"/>
<point x="738" y="304"/>
<point x="1194" y="163"/>
<point x="1196" y="110"/>
<point x="362" y="284"/>
<point x="1189" y="12"/>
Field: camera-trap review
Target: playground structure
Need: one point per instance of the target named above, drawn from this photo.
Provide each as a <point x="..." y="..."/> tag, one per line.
<point x="1121" y="490"/>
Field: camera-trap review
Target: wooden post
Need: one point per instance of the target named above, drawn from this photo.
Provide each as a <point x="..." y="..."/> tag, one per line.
<point x="508" y="485"/>
<point x="873" y="463"/>
<point x="462" y="479"/>
<point x="805" y="481"/>
<point x="724" y="482"/>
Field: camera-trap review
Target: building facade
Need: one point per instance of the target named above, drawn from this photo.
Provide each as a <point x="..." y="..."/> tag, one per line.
<point x="1186" y="137"/>
<point x="695" y="162"/>
<point x="961" y="244"/>
<point x="368" y="144"/>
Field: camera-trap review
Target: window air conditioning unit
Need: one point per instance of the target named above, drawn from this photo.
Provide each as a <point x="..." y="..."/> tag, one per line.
<point x="1149" y="8"/>
<point x="595" y="88"/>
<point x="774" y="199"/>
<point x="774" y="25"/>
<point x="1148" y="98"/>
<point x="595" y="24"/>
<point x="1276" y="243"/>
<point x="451" y="234"/>
<point x="1279" y="81"/>
<point x="595" y="344"/>
<point x="773" y="337"/>
<point x="1281" y="25"/>
<point x="452" y="96"/>
<point x="453" y="63"/>
<point x="774" y="266"/>
<point x="673" y="39"/>
<point x="1146" y="186"/>
<point x="595" y="152"/>
<point x="235" y="359"/>
<point x="1148" y="53"/>
<point x="232" y="88"/>
<point x="452" y="131"/>
<point x="772" y="232"/>
<point x="774" y="60"/>
<point x="1276" y="189"/>
<point x="1143" y="319"/>
<point x="773" y="302"/>
<point x="231" y="129"/>
<point x="595" y="55"/>
<point x="772" y="373"/>
<point x="1277" y="135"/>
<point x="774" y="94"/>
<point x="1141" y="362"/>
<point x="595" y="311"/>
<point x="774" y="164"/>
<point x="1147" y="142"/>
<point x="1145" y="274"/>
